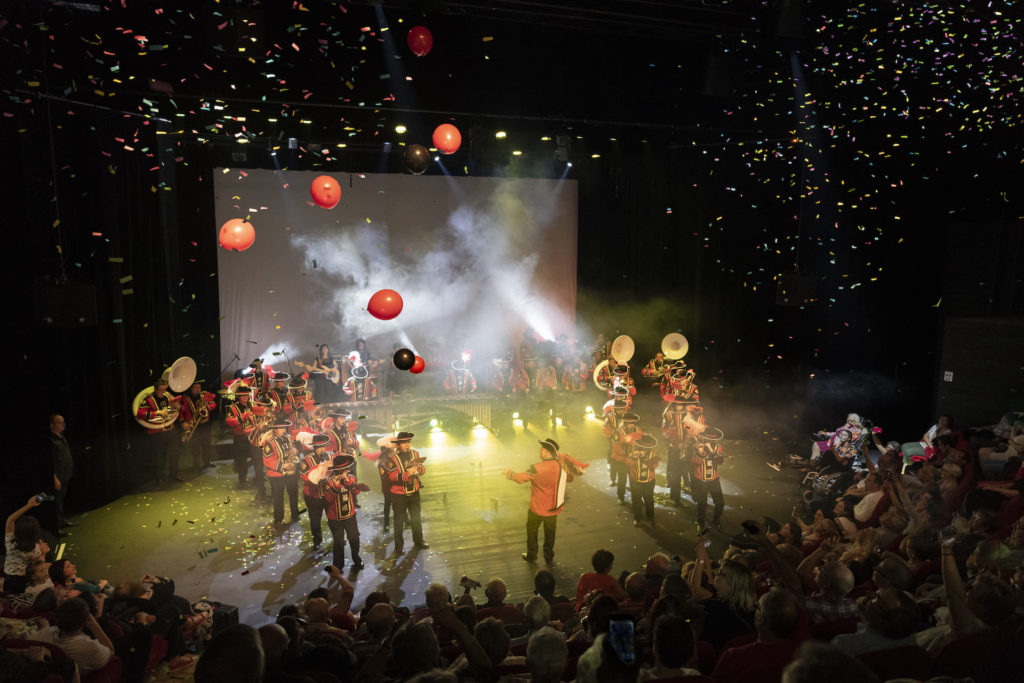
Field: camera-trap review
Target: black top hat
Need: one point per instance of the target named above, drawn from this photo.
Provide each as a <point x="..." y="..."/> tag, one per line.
<point x="343" y="461"/>
<point x="281" y="377"/>
<point x="243" y="389"/>
<point x="683" y="401"/>
<point x="630" y="417"/>
<point x="620" y="391"/>
<point x="621" y="370"/>
<point x="404" y="437"/>
<point x="340" y="413"/>
<point x="646" y="441"/>
<point x="256" y="362"/>
<point x="458" y="365"/>
<point x="320" y="440"/>
<point x="283" y="424"/>
<point x="297" y="383"/>
<point x="550" y="445"/>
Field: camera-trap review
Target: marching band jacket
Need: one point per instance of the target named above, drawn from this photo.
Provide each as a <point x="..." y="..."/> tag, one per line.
<point x="340" y="496"/>
<point x="706" y="460"/>
<point x="403" y="481"/>
<point x="307" y="465"/>
<point x="459" y="382"/>
<point x="191" y="405"/>
<point x="279" y="457"/>
<point x="149" y="408"/>
<point x="547" y="486"/>
<point x="643" y="464"/>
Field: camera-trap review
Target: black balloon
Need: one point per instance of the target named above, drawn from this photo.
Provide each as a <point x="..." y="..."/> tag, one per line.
<point x="417" y="158"/>
<point x="404" y="359"/>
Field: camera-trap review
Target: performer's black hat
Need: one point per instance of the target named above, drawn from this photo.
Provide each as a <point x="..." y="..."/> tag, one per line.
<point x="630" y="417"/>
<point x="281" y="377"/>
<point x="198" y="381"/>
<point x="403" y="437"/>
<point x="620" y="392"/>
<point x="683" y="400"/>
<point x="343" y="461"/>
<point x="550" y="445"/>
<point x="256" y="363"/>
<point x="243" y="389"/>
<point x="340" y="413"/>
<point x="297" y="383"/>
<point x="283" y="424"/>
<point x="320" y="440"/>
<point x="621" y="370"/>
<point x="458" y="365"/>
<point x="646" y="441"/>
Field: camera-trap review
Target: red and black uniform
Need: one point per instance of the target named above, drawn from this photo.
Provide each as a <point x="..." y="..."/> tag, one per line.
<point x="459" y="382"/>
<point x="199" y="443"/>
<point x="340" y="495"/>
<point x="164" y="444"/>
<point x="281" y="462"/>
<point x="281" y="400"/>
<point x="404" y="470"/>
<point x="297" y="401"/>
<point x="260" y="382"/>
<point x="385" y="484"/>
<point x="705" y="460"/>
<point x="242" y="421"/>
<point x="313" y="493"/>
<point x="342" y="439"/>
<point x="679" y="443"/>
<point x="548" y="481"/>
<point x="643" y="465"/>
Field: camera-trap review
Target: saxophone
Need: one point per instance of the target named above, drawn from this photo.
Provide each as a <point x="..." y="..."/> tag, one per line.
<point x="198" y="416"/>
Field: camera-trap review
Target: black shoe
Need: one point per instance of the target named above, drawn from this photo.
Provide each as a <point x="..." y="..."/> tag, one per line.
<point x="358" y="565"/>
<point x="316" y="545"/>
<point x="399" y="551"/>
<point x="636" y="522"/>
<point x="529" y="558"/>
<point x="622" y="501"/>
<point x="387" y="528"/>
<point x="422" y="545"/>
<point x="716" y="524"/>
<point x="549" y="560"/>
<point x="65" y="523"/>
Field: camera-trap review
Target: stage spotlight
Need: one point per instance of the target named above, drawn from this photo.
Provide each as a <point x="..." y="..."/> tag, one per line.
<point x="515" y="416"/>
<point x="433" y="422"/>
<point x="590" y="409"/>
<point x="558" y="422"/>
<point x="437" y="158"/>
<point x="400" y="129"/>
<point x="501" y="135"/>
<point x="569" y="165"/>
<point x="517" y="153"/>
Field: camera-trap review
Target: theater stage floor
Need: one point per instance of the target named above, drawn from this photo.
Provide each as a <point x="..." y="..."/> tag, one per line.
<point x="211" y="538"/>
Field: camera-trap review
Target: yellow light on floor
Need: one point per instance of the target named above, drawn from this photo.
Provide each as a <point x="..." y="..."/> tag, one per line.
<point x="501" y="135"/>
<point x="399" y="129"/>
<point x="558" y="421"/>
<point x="590" y="409"/>
<point x="515" y="416"/>
<point x="433" y="422"/>
<point x="517" y="153"/>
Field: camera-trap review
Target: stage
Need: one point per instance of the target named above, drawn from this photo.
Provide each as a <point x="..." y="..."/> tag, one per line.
<point x="212" y="539"/>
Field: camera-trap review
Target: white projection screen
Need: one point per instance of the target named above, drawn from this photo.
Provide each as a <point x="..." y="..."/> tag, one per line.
<point x="476" y="260"/>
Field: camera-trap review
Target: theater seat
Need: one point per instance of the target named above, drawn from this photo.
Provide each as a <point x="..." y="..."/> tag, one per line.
<point x="111" y="673"/>
<point x="990" y="656"/>
<point x="899" y="662"/>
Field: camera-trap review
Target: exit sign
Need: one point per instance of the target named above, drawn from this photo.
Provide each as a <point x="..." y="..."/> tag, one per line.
<point x="947" y="376"/>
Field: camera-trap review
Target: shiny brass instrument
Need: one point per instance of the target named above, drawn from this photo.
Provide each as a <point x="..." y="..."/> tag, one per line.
<point x="201" y="416"/>
<point x="179" y="377"/>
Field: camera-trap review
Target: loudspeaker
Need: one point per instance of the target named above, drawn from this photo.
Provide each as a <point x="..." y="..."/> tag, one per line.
<point x="72" y="305"/>
<point x="795" y="290"/>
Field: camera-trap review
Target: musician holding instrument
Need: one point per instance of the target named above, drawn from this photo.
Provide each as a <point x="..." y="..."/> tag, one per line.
<point x="404" y="468"/>
<point x="679" y="442"/>
<point x="194" y="418"/>
<point x="340" y="490"/>
<point x="643" y="465"/>
<point x="655" y="370"/>
<point x="160" y="410"/>
<point x="459" y="381"/>
<point x="621" y="440"/>
<point x="341" y="432"/>
<point x="242" y="421"/>
<point x="279" y="393"/>
<point x="281" y="460"/>
<point x="258" y="378"/>
<point x="313" y="471"/>
<point x="705" y="460"/>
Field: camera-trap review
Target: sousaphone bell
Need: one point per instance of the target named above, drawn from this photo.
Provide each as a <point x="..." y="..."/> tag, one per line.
<point x="674" y="346"/>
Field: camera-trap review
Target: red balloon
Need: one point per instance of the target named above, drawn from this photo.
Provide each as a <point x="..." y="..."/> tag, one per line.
<point x="236" y="235"/>
<point x="447" y="138"/>
<point x="420" y="40"/>
<point x="326" y="191"/>
<point x="385" y="304"/>
<point x="417" y="366"/>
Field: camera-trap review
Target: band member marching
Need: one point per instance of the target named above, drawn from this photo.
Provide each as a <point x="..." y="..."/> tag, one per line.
<point x="258" y="379"/>
<point x="340" y="490"/>
<point x="655" y="370"/>
<point x="621" y="440"/>
<point x="679" y="441"/>
<point x="361" y="385"/>
<point x="643" y="465"/>
<point x="279" y="393"/>
<point x="281" y="461"/>
<point x="163" y="443"/>
<point x="342" y="433"/>
<point x="242" y="421"/>
<point x="706" y="459"/>
<point x="404" y="467"/>
<point x="548" y="479"/>
<point x="196" y="407"/>
<point x="386" y="444"/>
<point x="313" y="471"/>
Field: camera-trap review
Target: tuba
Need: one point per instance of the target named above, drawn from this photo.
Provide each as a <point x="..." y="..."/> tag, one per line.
<point x="179" y="378"/>
<point x="623" y="349"/>
<point x="674" y="346"/>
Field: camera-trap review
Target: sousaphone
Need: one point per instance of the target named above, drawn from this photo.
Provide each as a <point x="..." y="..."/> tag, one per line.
<point x="180" y="377"/>
<point x="623" y="348"/>
<point x="674" y="346"/>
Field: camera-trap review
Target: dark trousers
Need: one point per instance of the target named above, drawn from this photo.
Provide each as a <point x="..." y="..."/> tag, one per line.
<point x="674" y="471"/>
<point x="641" y="494"/>
<point x="277" y="488"/>
<point x="619" y="473"/>
<point x="339" y="529"/>
<point x="533" y="522"/>
<point x="164" y="446"/>
<point x="245" y="454"/>
<point x="59" y="496"/>
<point x="700" y="490"/>
<point x="387" y="506"/>
<point x="315" y="507"/>
<point x="200" y="446"/>
<point x="407" y="508"/>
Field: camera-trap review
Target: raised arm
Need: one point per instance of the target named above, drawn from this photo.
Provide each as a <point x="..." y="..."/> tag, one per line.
<point x="32" y="502"/>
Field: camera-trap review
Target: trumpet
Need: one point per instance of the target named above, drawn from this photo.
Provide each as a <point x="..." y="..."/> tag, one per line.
<point x="202" y="415"/>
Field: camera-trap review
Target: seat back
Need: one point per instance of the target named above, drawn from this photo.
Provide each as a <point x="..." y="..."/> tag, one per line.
<point x="989" y="656"/>
<point x="899" y="662"/>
